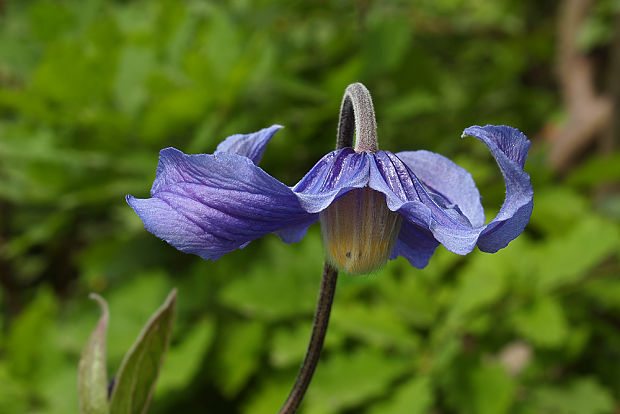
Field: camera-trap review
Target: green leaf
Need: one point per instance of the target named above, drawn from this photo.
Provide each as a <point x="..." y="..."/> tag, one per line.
<point x="386" y="43"/>
<point x="597" y="170"/>
<point x="543" y="323"/>
<point x="268" y="396"/>
<point x="281" y="285"/>
<point x="50" y="20"/>
<point x="183" y="360"/>
<point x="1" y="323"/>
<point x="411" y="295"/>
<point x="605" y="292"/>
<point x="377" y="325"/>
<point x="493" y="391"/>
<point x="222" y="31"/>
<point x="288" y="344"/>
<point x="26" y="345"/>
<point x="414" y="397"/>
<point x="92" y="376"/>
<point x="238" y="355"/>
<point x="481" y="283"/>
<point x="567" y="259"/>
<point x="348" y="379"/>
<point x="136" y="377"/>
<point x="13" y="393"/>
<point x="583" y="396"/>
<point x="557" y="210"/>
<point x="130" y="85"/>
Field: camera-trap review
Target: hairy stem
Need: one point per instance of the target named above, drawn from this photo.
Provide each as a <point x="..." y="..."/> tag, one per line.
<point x="357" y="112"/>
<point x="319" y="329"/>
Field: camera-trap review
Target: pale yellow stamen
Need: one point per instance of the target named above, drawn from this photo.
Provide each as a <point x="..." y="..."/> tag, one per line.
<point x="359" y="231"/>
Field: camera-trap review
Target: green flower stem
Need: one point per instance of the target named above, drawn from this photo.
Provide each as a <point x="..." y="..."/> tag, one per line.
<point x="319" y="329"/>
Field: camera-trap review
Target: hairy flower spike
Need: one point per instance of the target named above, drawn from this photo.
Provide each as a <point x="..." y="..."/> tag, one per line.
<point x="359" y="231"/>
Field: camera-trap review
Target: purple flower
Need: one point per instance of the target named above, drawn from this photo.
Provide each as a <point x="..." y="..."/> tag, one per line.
<point x="373" y="206"/>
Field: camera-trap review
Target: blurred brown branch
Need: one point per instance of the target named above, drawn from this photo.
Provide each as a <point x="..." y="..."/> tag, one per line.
<point x="613" y="136"/>
<point x="589" y="112"/>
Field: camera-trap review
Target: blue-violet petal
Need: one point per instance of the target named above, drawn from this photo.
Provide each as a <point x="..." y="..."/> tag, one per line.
<point x="429" y="211"/>
<point x="335" y="174"/>
<point x="249" y="145"/>
<point x="210" y="205"/>
<point x="442" y="176"/>
<point x="509" y="147"/>
<point x="415" y="245"/>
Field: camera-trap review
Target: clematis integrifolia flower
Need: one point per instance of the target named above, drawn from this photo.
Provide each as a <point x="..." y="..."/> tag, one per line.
<point x="373" y="205"/>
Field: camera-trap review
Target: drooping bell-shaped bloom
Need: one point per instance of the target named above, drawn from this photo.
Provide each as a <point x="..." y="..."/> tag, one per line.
<point x="359" y="231"/>
<point x="373" y="205"/>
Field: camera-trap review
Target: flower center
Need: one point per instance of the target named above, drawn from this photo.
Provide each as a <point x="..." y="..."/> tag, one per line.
<point x="359" y="231"/>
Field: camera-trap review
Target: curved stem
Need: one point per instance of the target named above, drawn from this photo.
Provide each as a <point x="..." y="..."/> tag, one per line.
<point x="357" y="111"/>
<point x="319" y="329"/>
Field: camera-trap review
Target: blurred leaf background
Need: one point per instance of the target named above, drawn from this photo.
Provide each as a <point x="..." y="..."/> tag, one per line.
<point x="91" y="90"/>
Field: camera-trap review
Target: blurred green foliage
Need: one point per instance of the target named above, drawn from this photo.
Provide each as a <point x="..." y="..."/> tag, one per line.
<point x="90" y="90"/>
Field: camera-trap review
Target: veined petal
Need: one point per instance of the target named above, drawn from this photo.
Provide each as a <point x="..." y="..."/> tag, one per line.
<point x="406" y="194"/>
<point x="415" y="245"/>
<point x="455" y="220"/>
<point x="249" y="145"/>
<point x="509" y="147"/>
<point x="442" y="176"/>
<point x="210" y="205"/>
<point x="335" y="174"/>
<point x="390" y="176"/>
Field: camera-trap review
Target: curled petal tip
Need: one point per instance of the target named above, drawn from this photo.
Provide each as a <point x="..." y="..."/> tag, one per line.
<point x="512" y="142"/>
<point x="509" y="146"/>
<point x="250" y="145"/>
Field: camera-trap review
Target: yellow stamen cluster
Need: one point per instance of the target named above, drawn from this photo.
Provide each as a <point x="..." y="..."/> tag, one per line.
<point x="359" y="231"/>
